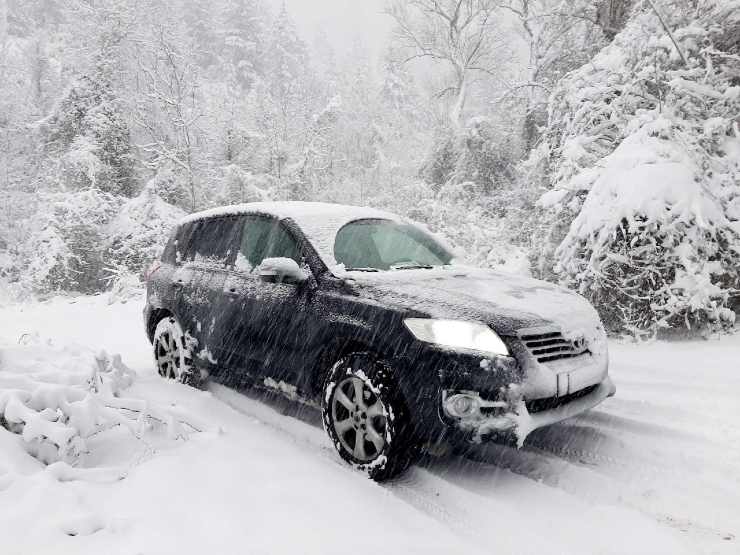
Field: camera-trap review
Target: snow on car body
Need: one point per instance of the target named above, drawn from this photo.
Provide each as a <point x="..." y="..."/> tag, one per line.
<point x="371" y="316"/>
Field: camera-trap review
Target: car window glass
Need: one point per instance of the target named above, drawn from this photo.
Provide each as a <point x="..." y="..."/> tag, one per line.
<point x="385" y="245"/>
<point x="264" y="238"/>
<point x="396" y="246"/>
<point x="283" y="245"/>
<point x="213" y="241"/>
<point x="182" y="243"/>
<point x="255" y="235"/>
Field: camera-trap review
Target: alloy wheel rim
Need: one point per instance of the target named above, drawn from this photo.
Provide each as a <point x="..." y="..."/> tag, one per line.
<point x="359" y="419"/>
<point x="167" y="354"/>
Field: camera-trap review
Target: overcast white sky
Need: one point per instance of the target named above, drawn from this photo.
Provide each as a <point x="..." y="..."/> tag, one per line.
<point x="342" y="21"/>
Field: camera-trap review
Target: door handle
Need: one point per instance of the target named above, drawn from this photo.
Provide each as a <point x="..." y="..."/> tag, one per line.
<point x="179" y="283"/>
<point x="232" y="292"/>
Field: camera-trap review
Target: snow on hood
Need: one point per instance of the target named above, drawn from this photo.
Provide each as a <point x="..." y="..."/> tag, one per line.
<point x="507" y="302"/>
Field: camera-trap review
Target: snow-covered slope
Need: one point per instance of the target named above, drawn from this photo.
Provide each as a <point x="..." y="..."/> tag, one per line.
<point x="654" y="470"/>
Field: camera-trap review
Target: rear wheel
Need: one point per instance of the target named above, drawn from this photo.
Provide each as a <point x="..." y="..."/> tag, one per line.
<point x="172" y="354"/>
<point x="366" y="418"/>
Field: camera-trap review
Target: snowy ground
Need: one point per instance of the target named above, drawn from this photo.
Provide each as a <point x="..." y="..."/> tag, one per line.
<point x="654" y="470"/>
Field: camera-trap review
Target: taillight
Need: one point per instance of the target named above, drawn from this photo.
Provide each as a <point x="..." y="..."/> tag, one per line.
<point x="156" y="265"/>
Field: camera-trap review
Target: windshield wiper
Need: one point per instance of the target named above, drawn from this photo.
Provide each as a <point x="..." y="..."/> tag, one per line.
<point x="412" y="267"/>
<point x="361" y="269"/>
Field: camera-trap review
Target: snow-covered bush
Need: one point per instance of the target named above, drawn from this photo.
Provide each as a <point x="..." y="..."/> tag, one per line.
<point x="57" y="398"/>
<point x="483" y="157"/>
<point x="123" y="285"/>
<point x="238" y="186"/>
<point x="88" y="241"/>
<point x="479" y="153"/>
<point x="138" y="233"/>
<point x="170" y="183"/>
<point x="63" y="252"/>
<point x="642" y="152"/>
<point x="464" y="218"/>
<point x="652" y="245"/>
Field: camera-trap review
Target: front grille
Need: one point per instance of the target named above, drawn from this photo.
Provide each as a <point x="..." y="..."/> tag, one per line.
<point x="539" y="405"/>
<point x="551" y="345"/>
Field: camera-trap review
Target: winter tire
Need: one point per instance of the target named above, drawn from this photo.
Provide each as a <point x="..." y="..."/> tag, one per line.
<point x="173" y="355"/>
<point x="366" y="418"/>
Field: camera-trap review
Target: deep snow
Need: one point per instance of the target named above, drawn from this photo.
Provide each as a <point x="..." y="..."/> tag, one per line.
<point x="655" y="469"/>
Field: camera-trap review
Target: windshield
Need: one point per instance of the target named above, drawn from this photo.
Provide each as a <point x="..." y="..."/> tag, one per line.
<point x="375" y="245"/>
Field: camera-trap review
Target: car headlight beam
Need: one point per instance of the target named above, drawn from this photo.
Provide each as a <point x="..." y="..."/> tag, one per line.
<point x="457" y="334"/>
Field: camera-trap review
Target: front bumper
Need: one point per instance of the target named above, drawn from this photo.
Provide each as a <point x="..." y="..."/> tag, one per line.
<point x="518" y="420"/>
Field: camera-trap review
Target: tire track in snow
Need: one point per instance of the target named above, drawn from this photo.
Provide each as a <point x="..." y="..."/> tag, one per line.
<point x="419" y="488"/>
<point x="416" y="488"/>
<point x="622" y="474"/>
<point x="431" y="487"/>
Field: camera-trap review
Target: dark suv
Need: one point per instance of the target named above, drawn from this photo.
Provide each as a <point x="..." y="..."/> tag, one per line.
<point x="373" y="319"/>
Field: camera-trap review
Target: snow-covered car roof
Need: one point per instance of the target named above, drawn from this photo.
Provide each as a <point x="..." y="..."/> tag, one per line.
<point x="319" y="221"/>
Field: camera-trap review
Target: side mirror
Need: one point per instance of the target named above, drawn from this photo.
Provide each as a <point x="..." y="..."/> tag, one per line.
<point x="281" y="270"/>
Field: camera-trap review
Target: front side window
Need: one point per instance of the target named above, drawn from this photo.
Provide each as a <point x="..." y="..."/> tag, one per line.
<point x="374" y="245"/>
<point x="264" y="237"/>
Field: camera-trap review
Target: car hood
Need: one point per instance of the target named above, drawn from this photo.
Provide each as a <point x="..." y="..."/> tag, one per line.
<point x="506" y="302"/>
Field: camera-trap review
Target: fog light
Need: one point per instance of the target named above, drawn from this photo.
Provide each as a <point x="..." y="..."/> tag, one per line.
<point x="461" y="405"/>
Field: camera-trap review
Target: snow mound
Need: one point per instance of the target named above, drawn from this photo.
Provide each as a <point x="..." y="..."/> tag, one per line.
<point x="58" y="398"/>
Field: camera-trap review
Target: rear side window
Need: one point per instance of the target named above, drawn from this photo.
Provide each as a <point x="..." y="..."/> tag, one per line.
<point x="264" y="237"/>
<point x="181" y="242"/>
<point x="211" y="241"/>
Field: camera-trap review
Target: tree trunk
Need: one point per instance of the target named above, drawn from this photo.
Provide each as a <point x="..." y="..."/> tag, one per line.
<point x="612" y="15"/>
<point x="459" y="104"/>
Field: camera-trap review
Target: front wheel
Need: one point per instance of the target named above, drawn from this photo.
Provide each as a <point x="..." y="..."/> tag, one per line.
<point x="366" y="418"/>
<point x="173" y="354"/>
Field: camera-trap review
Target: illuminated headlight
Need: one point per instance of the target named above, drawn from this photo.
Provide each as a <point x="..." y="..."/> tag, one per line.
<point x="458" y="334"/>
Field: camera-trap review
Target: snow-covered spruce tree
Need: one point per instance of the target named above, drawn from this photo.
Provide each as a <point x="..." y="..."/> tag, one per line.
<point x="88" y="130"/>
<point x="282" y="114"/>
<point x="643" y="154"/>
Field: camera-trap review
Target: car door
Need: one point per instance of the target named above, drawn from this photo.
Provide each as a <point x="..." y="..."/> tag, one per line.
<point x="210" y="254"/>
<point x="184" y="278"/>
<point x="263" y="324"/>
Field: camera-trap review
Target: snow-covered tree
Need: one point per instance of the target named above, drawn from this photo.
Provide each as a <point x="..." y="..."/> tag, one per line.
<point x="557" y="36"/>
<point x="168" y="110"/>
<point x="138" y="232"/>
<point x="643" y="154"/>
<point x="88" y="128"/>
<point x="283" y="101"/>
<point x="63" y="251"/>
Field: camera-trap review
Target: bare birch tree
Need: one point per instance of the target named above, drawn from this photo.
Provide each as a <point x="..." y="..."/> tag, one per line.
<point x="168" y="109"/>
<point x="459" y="34"/>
